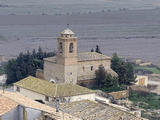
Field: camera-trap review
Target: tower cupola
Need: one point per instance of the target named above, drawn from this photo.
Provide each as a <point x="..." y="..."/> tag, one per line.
<point x="67" y="33"/>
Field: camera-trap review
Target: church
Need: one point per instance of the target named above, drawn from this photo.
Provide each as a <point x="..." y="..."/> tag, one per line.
<point x="69" y="66"/>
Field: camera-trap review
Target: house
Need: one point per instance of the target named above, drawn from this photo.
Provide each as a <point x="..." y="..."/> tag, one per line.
<point x="72" y="67"/>
<point x="38" y="89"/>
<point x="142" y="80"/>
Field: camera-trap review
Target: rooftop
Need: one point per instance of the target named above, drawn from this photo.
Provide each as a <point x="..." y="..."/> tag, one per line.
<point x="9" y="100"/>
<point x="6" y="105"/>
<point x="84" y="56"/>
<point x="51" y="89"/>
<point x="89" y="110"/>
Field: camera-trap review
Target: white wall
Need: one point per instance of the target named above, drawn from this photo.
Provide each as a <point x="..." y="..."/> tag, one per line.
<point x="82" y="97"/>
<point x="31" y="94"/>
<point x="11" y="115"/>
<point x="141" y="77"/>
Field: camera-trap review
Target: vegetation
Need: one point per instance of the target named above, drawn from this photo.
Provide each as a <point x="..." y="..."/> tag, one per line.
<point x="152" y="69"/>
<point x="145" y="100"/>
<point x="25" y="64"/>
<point x="97" y="49"/>
<point x="125" y="70"/>
<point x="107" y="82"/>
<point x="2" y="71"/>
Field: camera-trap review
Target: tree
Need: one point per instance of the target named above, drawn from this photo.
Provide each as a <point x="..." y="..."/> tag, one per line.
<point x="100" y="75"/>
<point x="98" y="49"/>
<point x="105" y="81"/>
<point x="124" y="70"/>
<point x="25" y="65"/>
<point x="92" y="50"/>
<point x="110" y="81"/>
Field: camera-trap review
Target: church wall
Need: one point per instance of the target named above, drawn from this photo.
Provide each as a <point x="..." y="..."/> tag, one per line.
<point x="71" y="74"/>
<point x="53" y="71"/>
<point x="84" y="68"/>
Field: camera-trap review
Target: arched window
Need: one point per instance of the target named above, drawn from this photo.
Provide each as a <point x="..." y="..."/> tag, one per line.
<point x="71" y="47"/>
<point x="60" y="47"/>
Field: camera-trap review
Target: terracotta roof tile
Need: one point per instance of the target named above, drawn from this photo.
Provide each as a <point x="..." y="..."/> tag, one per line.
<point x="84" y="56"/>
<point x="9" y="100"/>
<point x="6" y="105"/>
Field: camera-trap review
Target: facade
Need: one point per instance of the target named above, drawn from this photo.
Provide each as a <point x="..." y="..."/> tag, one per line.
<point x="72" y="67"/>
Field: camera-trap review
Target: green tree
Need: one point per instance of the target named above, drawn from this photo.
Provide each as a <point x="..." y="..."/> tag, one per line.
<point x="100" y="75"/>
<point x="98" y="49"/>
<point x="92" y="50"/>
<point x="110" y="81"/>
<point x="124" y="70"/>
<point x="25" y="65"/>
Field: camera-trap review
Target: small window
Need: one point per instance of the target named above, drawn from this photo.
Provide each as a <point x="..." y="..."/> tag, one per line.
<point x="83" y="68"/>
<point x="46" y="98"/>
<point x="60" y="47"/>
<point x="91" y="68"/>
<point x="71" y="47"/>
<point x="18" y="89"/>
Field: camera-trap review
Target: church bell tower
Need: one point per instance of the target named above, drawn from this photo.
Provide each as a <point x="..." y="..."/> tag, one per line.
<point x="67" y="55"/>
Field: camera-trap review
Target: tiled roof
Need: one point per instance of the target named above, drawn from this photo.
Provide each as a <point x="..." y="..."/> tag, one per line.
<point x="84" y="56"/>
<point x="6" y="105"/>
<point x="9" y="98"/>
<point x="91" y="56"/>
<point x="89" y="110"/>
<point x="50" y="89"/>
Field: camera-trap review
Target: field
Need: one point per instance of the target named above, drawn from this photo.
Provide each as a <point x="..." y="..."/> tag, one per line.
<point x="122" y="26"/>
<point x="151" y="69"/>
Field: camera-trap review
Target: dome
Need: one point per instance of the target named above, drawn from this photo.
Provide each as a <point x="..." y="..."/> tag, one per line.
<point x="67" y="32"/>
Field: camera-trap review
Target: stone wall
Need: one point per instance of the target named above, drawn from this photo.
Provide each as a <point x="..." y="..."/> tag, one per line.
<point x="120" y="94"/>
<point x="40" y="74"/>
<point x="53" y="71"/>
<point x="70" y="74"/>
<point x="85" y="72"/>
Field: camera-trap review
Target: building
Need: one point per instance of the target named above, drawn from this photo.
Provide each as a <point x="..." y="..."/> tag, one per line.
<point x="42" y="90"/>
<point x="75" y="100"/>
<point x="72" y="67"/>
<point x="142" y="80"/>
<point x="14" y="106"/>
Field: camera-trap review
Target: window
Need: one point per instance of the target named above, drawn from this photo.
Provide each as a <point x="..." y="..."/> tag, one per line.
<point x="46" y="98"/>
<point x="71" y="47"/>
<point x="60" y="47"/>
<point x="91" y="68"/>
<point x="83" y="68"/>
<point x="18" y="89"/>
